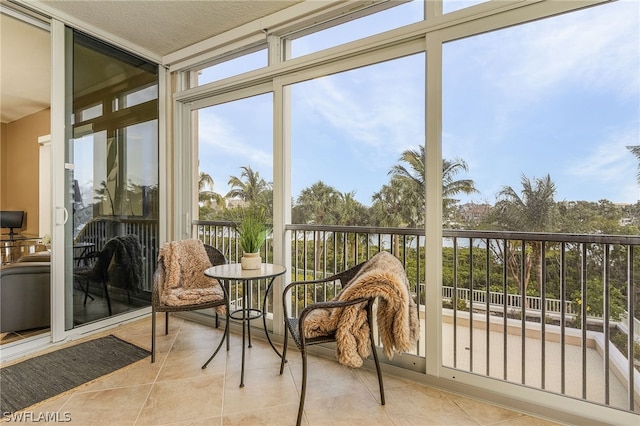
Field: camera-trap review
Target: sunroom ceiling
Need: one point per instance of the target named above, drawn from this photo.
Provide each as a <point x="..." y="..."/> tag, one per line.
<point x="165" y="26"/>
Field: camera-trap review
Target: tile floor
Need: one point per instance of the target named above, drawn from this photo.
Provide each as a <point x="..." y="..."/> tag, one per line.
<point x="175" y="390"/>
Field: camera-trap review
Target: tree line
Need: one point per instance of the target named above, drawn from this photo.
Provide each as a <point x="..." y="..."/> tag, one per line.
<point x="401" y="202"/>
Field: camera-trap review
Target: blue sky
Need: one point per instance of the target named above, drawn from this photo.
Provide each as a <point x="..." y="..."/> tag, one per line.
<point x="558" y="96"/>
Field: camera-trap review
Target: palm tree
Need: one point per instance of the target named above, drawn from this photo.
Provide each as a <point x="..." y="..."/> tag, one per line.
<point x="635" y="150"/>
<point x="351" y="212"/>
<point x="396" y="204"/>
<point x="533" y="210"/>
<point x="249" y="187"/>
<point x="319" y="205"/>
<point x="392" y="208"/>
<point x="415" y="176"/>
<point x="451" y="187"/>
<point x="206" y="195"/>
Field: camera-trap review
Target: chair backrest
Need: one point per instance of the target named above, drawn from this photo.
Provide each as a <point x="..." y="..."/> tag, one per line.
<point x="121" y="257"/>
<point x="346" y="276"/>
<point x="215" y="256"/>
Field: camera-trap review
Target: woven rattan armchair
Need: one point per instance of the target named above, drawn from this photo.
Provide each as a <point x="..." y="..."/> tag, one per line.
<point x="157" y="305"/>
<point x="295" y="327"/>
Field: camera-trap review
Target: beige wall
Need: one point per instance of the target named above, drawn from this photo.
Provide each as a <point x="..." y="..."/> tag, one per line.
<point x="19" y="152"/>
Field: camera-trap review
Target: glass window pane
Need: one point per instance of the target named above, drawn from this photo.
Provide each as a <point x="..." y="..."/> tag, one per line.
<point x="239" y="65"/>
<point x="453" y="5"/>
<point x="385" y="20"/>
<point x="558" y="98"/>
<point x="235" y="151"/>
<point x="348" y="131"/>
<point x="140" y="95"/>
<point x="543" y="114"/>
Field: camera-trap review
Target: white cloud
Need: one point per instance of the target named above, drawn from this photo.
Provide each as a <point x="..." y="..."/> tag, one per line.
<point x="376" y="111"/>
<point x="610" y="164"/>
<point x="224" y="138"/>
<point x="596" y="48"/>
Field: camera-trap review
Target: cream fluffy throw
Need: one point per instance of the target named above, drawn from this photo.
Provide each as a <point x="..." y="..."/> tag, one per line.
<point x="185" y="282"/>
<point x="383" y="277"/>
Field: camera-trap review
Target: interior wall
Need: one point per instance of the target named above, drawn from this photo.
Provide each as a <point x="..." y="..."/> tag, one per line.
<point x="20" y="159"/>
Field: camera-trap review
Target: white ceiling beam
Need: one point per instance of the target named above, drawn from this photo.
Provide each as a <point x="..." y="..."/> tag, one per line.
<point x="297" y="16"/>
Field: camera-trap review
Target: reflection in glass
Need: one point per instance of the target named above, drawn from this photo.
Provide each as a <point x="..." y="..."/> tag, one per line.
<point x="113" y="181"/>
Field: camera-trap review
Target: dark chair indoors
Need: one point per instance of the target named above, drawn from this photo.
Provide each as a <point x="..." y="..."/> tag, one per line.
<point x="295" y="327"/>
<point x="119" y="263"/>
<point x="160" y="303"/>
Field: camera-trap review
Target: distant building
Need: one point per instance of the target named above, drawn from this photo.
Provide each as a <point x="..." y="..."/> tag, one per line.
<point x="473" y="213"/>
<point x="235" y="202"/>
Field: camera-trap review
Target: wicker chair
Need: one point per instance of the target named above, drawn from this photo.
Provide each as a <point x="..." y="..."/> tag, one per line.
<point x="295" y="327"/>
<point x="119" y="263"/>
<point x="157" y="305"/>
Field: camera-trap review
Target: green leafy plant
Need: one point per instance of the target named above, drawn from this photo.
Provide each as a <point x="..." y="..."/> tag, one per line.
<point x="252" y="229"/>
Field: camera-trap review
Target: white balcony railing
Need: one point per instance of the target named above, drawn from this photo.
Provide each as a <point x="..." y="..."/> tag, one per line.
<point x="579" y="292"/>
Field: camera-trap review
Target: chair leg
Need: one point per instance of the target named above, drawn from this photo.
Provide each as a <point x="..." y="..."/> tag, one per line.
<point x="86" y="291"/>
<point x="153" y="335"/>
<point x="228" y="315"/>
<point x="303" y="389"/>
<point x="284" y="349"/>
<point x="166" y="323"/>
<point x="374" y="352"/>
<point x="106" y="295"/>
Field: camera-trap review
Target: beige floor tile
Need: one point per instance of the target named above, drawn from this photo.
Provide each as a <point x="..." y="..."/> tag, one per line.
<point x="420" y="405"/>
<point x="370" y="378"/>
<point x="271" y="416"/>
<point x="263" y="388"/>
<point x="110" y="406"/>
<point x="200" y="337"/>
<point x="327" y="377"/>
<point x="481" y="412"/>
<point x="188" y="364"/>
<point x="183" y="400"/>
<point x="348" y="409"/>
<point x="206" y="421"/>
<point x="528" y="421"/>
<point x="138" y="373"/>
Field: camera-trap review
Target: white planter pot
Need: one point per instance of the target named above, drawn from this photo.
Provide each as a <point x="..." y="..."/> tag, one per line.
<point x="250" y="261"/>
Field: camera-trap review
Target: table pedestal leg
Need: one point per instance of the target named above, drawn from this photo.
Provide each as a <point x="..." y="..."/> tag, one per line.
<point x="264" y="317"/>
<point x="245" y="324"/>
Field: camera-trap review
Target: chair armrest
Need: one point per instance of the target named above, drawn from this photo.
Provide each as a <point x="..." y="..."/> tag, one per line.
<point x="324" y="305"/>
<point x="298" y="283"/>
<point x="344" y="277"/>
<point x="329" y="305"/>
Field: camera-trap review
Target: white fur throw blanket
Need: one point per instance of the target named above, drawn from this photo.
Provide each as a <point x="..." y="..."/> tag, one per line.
<point x="398" y="326"/>
<point x="185" y="282"/>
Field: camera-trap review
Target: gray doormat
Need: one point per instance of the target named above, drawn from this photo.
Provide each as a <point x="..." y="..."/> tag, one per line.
<point x="37" y="379"/>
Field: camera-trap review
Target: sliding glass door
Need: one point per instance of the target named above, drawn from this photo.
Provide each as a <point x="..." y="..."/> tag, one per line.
<point x="111" y="180"/>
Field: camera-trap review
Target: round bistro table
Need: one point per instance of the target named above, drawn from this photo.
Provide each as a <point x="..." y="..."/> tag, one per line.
<point x="234" y="272"/>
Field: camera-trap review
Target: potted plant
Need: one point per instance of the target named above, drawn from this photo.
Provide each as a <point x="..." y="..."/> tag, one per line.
<point x="252" y="234"/>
